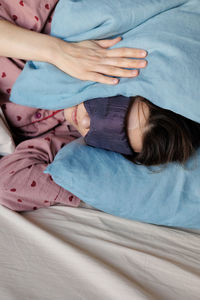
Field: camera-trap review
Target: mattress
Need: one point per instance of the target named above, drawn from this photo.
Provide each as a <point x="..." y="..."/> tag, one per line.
<point x="81" y="253"/>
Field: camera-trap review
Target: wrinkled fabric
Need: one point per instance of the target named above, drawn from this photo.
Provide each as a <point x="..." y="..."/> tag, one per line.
<point x="164" y="195"/>
<point x="62" y="253"/>
<point x="23" y="184"/>
<point x="7" y="145"/>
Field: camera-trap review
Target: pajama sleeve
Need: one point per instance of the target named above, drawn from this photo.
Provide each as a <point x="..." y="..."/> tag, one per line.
<point x="35" y="15"/>
<point x="23" y="185"/>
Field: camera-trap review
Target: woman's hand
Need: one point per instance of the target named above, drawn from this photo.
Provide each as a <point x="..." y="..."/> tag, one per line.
<point x="92" y="60"/>
<point x="87" y="60"/>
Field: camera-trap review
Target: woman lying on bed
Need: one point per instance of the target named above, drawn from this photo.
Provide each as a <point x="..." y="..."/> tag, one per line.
<point x="40" y="133"/>
<point x="134" y="127"/>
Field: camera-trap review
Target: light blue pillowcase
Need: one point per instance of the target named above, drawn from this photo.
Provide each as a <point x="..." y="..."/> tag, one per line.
<point x="109" y="182"/>
<point x="168" y="29"/>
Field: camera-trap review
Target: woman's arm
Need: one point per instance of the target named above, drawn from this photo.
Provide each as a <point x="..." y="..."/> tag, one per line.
<point x="23" y="185"/>
<point x="21" y="43"/>
<point x="87" y="60"/>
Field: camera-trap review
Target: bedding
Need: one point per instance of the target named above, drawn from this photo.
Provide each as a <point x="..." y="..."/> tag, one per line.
<point x="165" y="195"/>
<point x="84" y="254"/>
<point x="7" y="145"/>
<point x="168" y="30"/>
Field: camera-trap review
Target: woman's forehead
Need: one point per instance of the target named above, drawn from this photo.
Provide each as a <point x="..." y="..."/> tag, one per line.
<point x="138" y="114"/>
<point x="136" y="123"/>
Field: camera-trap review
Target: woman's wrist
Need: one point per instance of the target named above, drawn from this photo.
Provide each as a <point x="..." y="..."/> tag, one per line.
<point x="20" y="43"/>
<point x="49" y="49"/>
<point x="53" y="50"/>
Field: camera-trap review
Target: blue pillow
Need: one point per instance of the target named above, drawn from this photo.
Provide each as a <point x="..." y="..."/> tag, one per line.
<point x="109" y="182"/>
<point x="168" y="29"/>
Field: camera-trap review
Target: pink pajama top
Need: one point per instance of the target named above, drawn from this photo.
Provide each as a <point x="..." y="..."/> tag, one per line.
<point x="39" y="134"/>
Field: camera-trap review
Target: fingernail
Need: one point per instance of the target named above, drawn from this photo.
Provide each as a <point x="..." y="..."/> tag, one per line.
<point x="142" y="63"/>
<point x="143" y="53"/>
<point x="135" y="72"/>
<point x="115" y="81"/>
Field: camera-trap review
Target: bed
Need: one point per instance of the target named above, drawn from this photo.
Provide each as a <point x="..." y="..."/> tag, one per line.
<point x="83" y="253"/>
<point x="66" y="253"/>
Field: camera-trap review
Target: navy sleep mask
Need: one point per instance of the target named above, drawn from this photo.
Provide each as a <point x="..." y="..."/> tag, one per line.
<point x="108" y="124"/>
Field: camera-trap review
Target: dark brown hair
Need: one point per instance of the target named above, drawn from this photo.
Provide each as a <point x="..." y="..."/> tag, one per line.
<point x="169" y="137"/>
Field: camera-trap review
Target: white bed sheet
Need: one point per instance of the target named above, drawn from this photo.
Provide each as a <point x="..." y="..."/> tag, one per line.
<point x="65" y="253"/>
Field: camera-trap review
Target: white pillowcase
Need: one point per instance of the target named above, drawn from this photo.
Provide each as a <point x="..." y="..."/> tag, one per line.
<point x="7" y="145"/>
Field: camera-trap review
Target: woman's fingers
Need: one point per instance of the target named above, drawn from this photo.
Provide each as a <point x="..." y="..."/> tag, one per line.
<point x="108" y="43"/>
<point x="97" y="77"/>
<point x="126" y="52"/>
<point x="120" y="52"/>
<point x="114" y="71"/>
<point x="90" y="60"/>
<point x="125" y="62"/>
